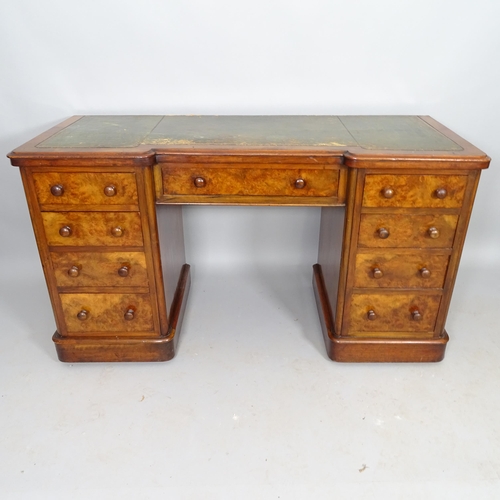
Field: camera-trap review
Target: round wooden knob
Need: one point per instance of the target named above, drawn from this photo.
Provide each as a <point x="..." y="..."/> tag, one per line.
<point x="74" y="271"/>
<point x="441" y="193"/>
<point x="377" y="273"/>
<point x="433" y="232"/>
<point x="129" y="314"/>
<point x="371" y="315"/>
<point x="388" y="192"/>
<point x="83" y="315"/>
<point x="300" y="183"/>
<point x="200" y="182"/>
<point x="416" y="316"/>
<point x="57" y="190"/>
<point x="117" y="232"/>
<point x="123" y="271"/>
<point x="65" y="231"/>
<point x="110" y="190"/>
<point x="383" y="233"/>
<point x="425" y="273"/>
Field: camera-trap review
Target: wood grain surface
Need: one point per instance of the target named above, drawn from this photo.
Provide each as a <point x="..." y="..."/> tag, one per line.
<point x="106" y="313"/>
<point x="407" y="230"/>
<point x="93" y="228"/>
<point x="85" y="188"/>
<point x="100" y="268"/>
<point x="414" y="190"/>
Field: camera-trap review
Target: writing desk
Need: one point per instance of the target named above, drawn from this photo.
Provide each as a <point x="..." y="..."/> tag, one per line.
<point x="105" y="194"/>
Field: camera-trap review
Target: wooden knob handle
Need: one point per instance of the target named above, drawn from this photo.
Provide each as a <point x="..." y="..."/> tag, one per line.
<point x="300" y="184"/>
<point x="433" y="232"/>
<point x="123" y="271"/>
<point x="441" y="193"/>
<point x="200" y="182"/>
<point x="388" y="192"/>
<point x="117" y="232"/>
<point x="377" y="273"/>
<point x="83" y="315"/>
<point x="383" y="233"/>
<point x="425" y="273"/>
<point x="57" y="190"/>
<point x="110" y="190"/>
<point x="416" y="316"/>
<point x="65" y="231"/>
<point x="74" y="271"/>
<point x="129" y="314"/>
<point x="371" y="315"/>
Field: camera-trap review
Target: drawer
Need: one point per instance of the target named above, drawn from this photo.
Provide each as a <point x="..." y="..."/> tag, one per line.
<point x="92" y="228"/>
<point x="414" y="191"/>
<point x="393" y="312"/>
<point x="106" y="313"/>
<point x="100" y="269"/>
<point x="85" y="188"/>
<point x="400" y="270"/>
<point x="203" y="180"/>
<point x="399" y="231"/>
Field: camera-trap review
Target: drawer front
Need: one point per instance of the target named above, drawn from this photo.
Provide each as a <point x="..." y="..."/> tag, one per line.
<point x="399" y="231"/>
<point x="100" y="269"/>
<point x="416" y="270"/>
<point x="202" y="180"/>
<point x="92" y="228"/>
<point x="85" y="188"/>
<point x="393" y="312"/>
<point x="106" y="313"/>
<point x="437" y="191"/>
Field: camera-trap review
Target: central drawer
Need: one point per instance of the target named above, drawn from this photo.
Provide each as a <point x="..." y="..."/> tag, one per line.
<point x="194" y="182"/>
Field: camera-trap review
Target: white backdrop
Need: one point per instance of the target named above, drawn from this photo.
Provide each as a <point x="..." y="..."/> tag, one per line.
<point x="61" y="57"/>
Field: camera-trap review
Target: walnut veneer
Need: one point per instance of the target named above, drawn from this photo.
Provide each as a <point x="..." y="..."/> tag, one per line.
<point x="105" y="194"/>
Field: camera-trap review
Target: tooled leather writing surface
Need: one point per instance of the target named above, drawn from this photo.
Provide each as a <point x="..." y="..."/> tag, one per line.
<point x="405" y="133"/>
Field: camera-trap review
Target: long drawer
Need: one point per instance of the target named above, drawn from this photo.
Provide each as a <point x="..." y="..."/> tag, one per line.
<point x="196" y="181"/>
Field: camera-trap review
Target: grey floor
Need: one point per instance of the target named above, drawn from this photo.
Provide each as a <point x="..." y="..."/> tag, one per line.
<point x="250" y="407"/>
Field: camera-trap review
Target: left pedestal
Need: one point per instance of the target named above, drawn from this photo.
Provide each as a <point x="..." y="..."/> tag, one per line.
<point x="98" y="236"/>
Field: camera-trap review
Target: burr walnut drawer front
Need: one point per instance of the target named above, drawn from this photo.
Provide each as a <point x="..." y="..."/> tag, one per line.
<point x="393" y="312"/>
<point x="107" y="313"/>
<point x="403" y="230"/>
<point x="203" y="180"/>
<point x="93" y="228"/>
<point x="414" y="191"/>
<point x="400" y="270"/>
<point x="85" y="188"/>
<point x="100" y="269"/>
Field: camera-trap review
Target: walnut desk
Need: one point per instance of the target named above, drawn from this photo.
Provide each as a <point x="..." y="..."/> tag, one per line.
<point x="105" y="194"/>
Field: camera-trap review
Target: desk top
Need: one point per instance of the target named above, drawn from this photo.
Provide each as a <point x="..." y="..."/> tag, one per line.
<point x="361" y="136"/>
